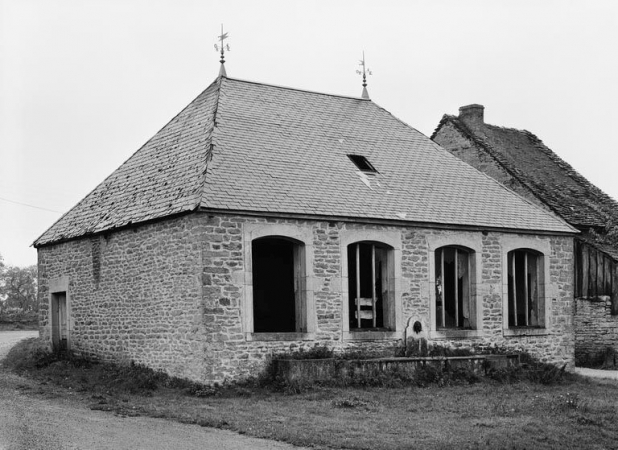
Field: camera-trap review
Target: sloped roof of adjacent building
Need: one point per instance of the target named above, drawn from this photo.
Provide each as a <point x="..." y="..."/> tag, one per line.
<point x="551" y="179"/>
<point x="251" y="147"/>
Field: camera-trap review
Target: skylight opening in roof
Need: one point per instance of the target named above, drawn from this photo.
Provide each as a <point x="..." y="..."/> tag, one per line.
<point x="362" y="163"/>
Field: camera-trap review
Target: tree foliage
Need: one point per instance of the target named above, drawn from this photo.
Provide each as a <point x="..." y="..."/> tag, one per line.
<point x="18" y="288"/>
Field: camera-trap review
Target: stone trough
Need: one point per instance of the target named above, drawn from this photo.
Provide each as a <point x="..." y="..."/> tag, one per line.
<point x="322" y="370"/>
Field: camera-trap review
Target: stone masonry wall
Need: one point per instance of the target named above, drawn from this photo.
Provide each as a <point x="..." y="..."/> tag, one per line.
<point x="172" y="294"/>
<point x="133" y="294"/>
<point x="596" y="328"/>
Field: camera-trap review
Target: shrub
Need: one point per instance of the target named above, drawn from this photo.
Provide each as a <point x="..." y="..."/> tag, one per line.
<point x="317" y="352"/>
<point x="351" y="402"/>
<point x="532" y="370"/>
<point x="604" y="359"/>
<point x="29" y="354"/>
<point x="69" y="369"/>
<point x="421" y="348"/>
<point x="428" y="374"/>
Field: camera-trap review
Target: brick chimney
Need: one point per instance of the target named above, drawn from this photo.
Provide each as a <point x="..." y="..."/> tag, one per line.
<point x="472" y="115"/>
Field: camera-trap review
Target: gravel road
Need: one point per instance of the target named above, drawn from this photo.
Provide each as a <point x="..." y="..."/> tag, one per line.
<point x="32" y="418"/>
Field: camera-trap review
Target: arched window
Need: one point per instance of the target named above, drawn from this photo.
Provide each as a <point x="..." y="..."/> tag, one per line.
<point x="455" y="307"/>
<point x="370" y="286"/>
<point x="525" y="288"/>
<point x="278" y="277"/>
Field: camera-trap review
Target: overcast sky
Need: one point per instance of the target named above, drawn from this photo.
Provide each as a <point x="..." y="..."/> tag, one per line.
<point x="83" y="84"/>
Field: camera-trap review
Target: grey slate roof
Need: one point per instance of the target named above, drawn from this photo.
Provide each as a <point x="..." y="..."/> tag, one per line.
<point x="252" y="147"/>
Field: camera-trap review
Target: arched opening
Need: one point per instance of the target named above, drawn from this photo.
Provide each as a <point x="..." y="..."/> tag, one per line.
<point x="370" y="291"/>
<point x="525" y="287"/>
<point x="455" y="306"/>
<point x="277" y="295"/>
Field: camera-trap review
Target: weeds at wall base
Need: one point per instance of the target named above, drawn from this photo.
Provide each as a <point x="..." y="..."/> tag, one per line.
<point x="424" y="375"/>
<point x="86" y="374"/>
<point x="606" y="359"/>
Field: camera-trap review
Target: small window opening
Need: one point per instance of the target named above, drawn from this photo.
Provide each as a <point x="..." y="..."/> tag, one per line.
<point x="276" y="286"/>
<point x="368" y="286"/>
<point x="362" y="163"/>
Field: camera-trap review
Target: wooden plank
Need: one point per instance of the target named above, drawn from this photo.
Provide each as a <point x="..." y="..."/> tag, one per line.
<point x="526" y="288"/>
<point x="442" y="287"/>
<point x="366" y="302"/>
<point x="456" y="264"/>
<point x="514" y="289"/>
<point x="358" y="292"/>
<point x="600" y="273"/>
<point x="615" y="290"/>
<point x="364" y="315"/>
<point x="592" y="274"/>
<point x="300" y="307"/>
<point x="577" y="269"/>
<point x="373" y="284"/>
<point x="585" y="268"/>
<point x="384" y="271"/>
<point x="538" y="304"/>
<point x="607" y="277"/>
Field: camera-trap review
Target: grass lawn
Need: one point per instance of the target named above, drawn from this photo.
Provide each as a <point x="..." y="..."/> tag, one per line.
<point x="575" y="413"/>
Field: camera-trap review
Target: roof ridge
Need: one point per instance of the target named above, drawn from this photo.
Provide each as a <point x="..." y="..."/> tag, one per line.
<point x="201" y="188"/>
<point x="570" y="171"/>
<point x="135" y="154"/>
<point x="297" y="89"/>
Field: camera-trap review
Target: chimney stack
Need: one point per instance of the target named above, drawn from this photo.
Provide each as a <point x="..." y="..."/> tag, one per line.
<point x="472" y="115"/>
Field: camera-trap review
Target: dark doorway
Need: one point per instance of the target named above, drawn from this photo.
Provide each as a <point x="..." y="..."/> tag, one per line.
<point x="59" y="321"/>
<point x="274" y="286"/>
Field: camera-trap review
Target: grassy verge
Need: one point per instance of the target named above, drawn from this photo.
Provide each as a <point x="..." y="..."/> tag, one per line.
<point x="489" y="414"/>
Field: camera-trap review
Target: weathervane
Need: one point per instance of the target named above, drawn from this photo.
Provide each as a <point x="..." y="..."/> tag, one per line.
<point x="223" y="47"/>
<point x="364" y="73"/>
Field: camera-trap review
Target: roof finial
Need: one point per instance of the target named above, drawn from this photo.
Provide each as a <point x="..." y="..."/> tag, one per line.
<point x="364" y="73"/>
<point x="224" y="47"/>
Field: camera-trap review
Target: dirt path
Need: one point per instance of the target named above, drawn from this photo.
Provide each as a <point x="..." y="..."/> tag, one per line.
<point x="33" y="418"/>
<point x="595" y="373"/>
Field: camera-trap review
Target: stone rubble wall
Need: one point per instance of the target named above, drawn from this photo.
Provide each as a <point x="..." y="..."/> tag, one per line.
<point x="595" y="327"/>
<point x="170" y="295"/>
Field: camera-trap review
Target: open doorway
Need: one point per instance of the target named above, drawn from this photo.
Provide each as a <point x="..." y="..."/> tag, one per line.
<point x="59" y="322"/>
<point x="277" y="290"/>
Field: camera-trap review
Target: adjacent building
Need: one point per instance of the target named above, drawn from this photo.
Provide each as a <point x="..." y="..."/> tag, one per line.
<point x="520" y="161"/>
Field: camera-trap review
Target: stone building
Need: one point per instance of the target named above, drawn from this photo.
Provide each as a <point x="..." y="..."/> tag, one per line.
<point x="263" y="219"/>
<point x="520" y="161"/>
